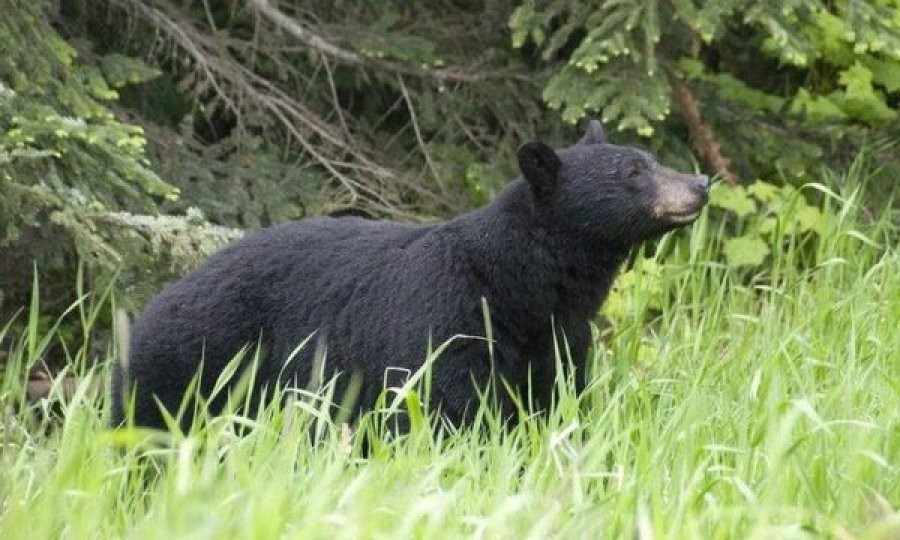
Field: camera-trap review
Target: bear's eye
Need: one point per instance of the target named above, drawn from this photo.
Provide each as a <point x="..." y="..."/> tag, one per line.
<point x="635" y="169"/>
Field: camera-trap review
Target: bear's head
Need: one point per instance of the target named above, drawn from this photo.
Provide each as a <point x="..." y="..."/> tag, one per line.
<point x="616" y="194"/>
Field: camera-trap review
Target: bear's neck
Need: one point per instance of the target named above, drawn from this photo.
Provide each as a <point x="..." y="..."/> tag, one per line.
<point x="531" y="270"/>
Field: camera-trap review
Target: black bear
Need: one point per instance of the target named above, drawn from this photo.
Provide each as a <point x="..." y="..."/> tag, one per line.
<point x="377" y="294"/>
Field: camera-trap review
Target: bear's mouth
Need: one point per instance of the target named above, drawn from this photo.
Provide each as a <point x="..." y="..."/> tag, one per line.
<point x="685" y="216"/>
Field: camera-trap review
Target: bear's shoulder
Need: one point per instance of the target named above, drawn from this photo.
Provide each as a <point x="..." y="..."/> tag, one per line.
<point x="327" y="234"/>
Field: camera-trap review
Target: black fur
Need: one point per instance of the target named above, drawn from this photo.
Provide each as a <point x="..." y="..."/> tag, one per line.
<point x="377" y="293"/>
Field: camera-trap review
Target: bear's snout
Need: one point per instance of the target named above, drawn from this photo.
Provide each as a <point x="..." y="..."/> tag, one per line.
<point x="680" y="197"/>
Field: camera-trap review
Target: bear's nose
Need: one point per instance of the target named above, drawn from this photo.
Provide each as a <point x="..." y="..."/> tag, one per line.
<point x="701" y="182"/>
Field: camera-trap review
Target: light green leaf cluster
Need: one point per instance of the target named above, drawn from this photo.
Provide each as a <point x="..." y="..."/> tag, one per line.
<point x="58" y="138"/>
<point x="66" y="162"/>
<point x="620" y="58"/>
<point x="765" y="213"/>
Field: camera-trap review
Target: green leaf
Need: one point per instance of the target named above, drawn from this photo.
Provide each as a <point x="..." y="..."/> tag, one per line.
<point x="733" y="198"/>
<point x="521" y="23"/>
<point x="861" y="99"/>
<point x="810" y="219"/>
<point x="885" y="72"/>
<point x="763" y="191"/>
<point x="614" y="307"/>
<point x="767" y="225"/>
<point x="857" y="79"/>
<point x="745" y="251"/>
<point x="833" y="37"/>
<point x="816" y="108"/>
<point x="691" y="67"/>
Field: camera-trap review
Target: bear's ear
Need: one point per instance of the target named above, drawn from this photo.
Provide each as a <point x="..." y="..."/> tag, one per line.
<point x="540" y="165"/>
<point x="594" y="133"/>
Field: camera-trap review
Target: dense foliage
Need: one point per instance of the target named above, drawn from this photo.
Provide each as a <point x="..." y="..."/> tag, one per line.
<point x="72" y="175"/>
<point x="139" y="135"/>
<point x="782" y="83"/>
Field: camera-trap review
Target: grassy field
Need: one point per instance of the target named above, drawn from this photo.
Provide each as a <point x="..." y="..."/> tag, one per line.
<point x="724" y="406"/>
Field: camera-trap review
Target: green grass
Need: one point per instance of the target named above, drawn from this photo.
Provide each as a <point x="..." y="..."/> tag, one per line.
<point x="723" y="406"/>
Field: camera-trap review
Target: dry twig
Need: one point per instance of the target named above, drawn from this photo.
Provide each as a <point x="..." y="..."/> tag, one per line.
<point x="415" y="125"/>
<point x="703" y="137"/>
<point x="319" y="44"/>
<point x="347" y="160"/>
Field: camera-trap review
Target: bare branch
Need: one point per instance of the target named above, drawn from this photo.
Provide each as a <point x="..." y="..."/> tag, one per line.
<point x="415" y="125"/>
<point x="331" y="146"/>
<point x="703" y="137"/>
<point x="705" y="141"/>
<point x="319" y="44"/>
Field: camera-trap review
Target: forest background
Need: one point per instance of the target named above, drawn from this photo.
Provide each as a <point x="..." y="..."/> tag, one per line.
<point x="136" y="137"/>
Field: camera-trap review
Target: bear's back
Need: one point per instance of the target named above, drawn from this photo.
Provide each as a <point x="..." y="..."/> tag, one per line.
<point x="266" y="271"/>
